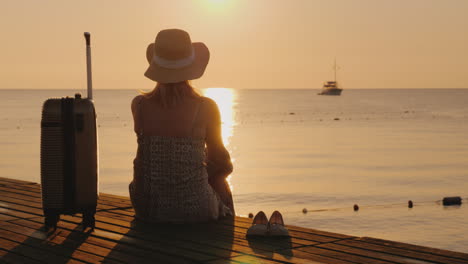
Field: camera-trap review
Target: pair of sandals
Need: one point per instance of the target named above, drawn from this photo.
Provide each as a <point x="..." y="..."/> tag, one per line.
<point x="262" y="227"/>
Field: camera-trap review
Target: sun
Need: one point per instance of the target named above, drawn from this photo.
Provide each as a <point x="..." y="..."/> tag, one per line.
<point x="216" y="1"/>
<point x="216" y="4"/>
<point x="219" y="7"/>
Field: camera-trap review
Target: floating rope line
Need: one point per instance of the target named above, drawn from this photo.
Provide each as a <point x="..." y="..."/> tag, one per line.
<point x="410" y="205"/>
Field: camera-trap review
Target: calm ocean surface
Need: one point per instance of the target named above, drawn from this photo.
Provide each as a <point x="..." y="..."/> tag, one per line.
<point x="384" y="148"/>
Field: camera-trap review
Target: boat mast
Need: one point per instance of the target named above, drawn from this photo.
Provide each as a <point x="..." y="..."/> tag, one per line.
<point x="335" y="68"/>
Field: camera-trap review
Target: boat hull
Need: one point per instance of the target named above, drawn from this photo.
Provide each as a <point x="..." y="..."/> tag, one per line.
<point x="331" y="92"/>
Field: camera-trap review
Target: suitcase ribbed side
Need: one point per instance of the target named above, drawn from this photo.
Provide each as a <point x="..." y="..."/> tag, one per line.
<point x="52" y="155"/>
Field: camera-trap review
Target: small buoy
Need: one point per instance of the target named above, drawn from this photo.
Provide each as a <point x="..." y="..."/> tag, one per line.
<point x="410" y="204"/>
<point x="18" y="127"/>
<point x="292" y="113"/>
<point x="250" y="215"/>
<point x="356" y="207"/>
<point x="125" y="125"/>
<point x="336" y="119"/>
<point x="406" y="112"/>
<point x="304" y="211"/>
<point x="452" y="201"/>
<point x="320" y="120"/>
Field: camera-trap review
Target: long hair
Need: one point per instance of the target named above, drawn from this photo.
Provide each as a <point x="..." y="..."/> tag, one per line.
<point x="172" y="94"/>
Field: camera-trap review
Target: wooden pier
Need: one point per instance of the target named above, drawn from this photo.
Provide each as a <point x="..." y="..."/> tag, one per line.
<point x="118" y="239"/>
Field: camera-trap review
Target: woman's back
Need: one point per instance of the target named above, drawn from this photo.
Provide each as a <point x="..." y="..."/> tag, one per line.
<point x="171" y="180"/>
<point x="183" y="120"/>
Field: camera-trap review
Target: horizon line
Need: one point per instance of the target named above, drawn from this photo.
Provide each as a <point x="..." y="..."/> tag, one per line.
<point x="100" y="89"/>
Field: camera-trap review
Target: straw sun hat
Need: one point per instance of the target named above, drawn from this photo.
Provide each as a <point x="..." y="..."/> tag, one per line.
<point x="174" y="58"/>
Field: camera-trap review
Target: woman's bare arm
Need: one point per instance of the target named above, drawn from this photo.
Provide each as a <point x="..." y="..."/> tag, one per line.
<point x="135" y="112"/>
<point x="219" y="160"/>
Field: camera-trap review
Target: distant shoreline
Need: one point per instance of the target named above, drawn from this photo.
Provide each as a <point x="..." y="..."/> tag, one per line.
<point x="259" y="89"/>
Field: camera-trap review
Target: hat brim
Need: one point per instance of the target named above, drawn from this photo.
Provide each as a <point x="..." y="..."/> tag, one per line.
<point x="191" y="72"/>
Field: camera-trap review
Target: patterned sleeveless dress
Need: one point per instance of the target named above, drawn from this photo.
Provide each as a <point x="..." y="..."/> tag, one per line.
<point x="170" y="181"/>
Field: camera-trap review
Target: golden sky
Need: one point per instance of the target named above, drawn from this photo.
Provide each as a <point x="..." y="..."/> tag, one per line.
<point x="253" y="43"/>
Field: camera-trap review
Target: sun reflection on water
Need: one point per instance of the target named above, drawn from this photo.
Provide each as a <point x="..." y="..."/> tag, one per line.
<point x="225" y="98"/>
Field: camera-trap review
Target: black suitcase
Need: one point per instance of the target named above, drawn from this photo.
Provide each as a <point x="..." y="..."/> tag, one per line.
<point x="69" y="156"/>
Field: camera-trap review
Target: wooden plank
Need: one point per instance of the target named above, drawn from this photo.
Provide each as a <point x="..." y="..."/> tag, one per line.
<point x="312" y="257"/>
<point x="117" y="239"/>
<point x="125" y="220"/>
<point x="247" y="221"/>
<point x="14" y="213"/>
<point x="304" y="230"/>
<point x="371" y="254"/>
<point x="15" y="181"/>
<point x="307" y="234"/>
<point x="38" y="212"/>
<point x="167" y="237"/>
<point x="57" y="244"/>
<point x="20" y="191"/>
<point x="298" y="239"/>
<point x="31" y="189"/>
<point x="205" y="241"/>
<point x="21" y="197"/>
<point x="339" y="255"/>
<point x="122" y="227"/>
<point x="250" y="249"/>
<point x="244" y="259"/>
<point x="314" y="235"/>
<point x="156" y="242"/>
<point x="77" y="240"/>
<point x="18" y="209"/>
<point x="402" y="252"/>
<point x="310" y="237"/>
<point x="24" y="208"/>
<point x="434" y="251"/>
<point x="4" y="217"/>
<point x="19" y="245"/>
<point x="238" y="232"/>
<point x="108" y="240"/>
<point x="12" y="257"/>
<point x="22" y="194"/>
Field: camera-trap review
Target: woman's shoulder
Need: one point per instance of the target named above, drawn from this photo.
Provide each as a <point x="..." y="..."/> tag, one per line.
<point x="210" y="103"/>
<point x="136" y="101"/>
<point x="138" y="98"/>
<point x="210" y="109"/>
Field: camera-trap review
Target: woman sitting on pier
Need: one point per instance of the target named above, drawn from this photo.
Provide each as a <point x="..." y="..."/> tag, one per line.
<point x="181" y="164"/>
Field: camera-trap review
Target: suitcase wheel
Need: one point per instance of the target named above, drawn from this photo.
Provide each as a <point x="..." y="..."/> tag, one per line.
<point x="51" y="220"/>
<point x="89" y="220"/>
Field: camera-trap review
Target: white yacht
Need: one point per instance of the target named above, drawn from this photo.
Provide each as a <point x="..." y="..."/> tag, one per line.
<point x="331" y="87"/>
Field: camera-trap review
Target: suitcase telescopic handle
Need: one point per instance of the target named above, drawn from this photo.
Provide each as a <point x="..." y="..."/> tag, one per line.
<point x="87" y="36"/>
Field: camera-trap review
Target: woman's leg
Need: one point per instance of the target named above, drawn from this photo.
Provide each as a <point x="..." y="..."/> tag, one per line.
<point x="221" y="187"/>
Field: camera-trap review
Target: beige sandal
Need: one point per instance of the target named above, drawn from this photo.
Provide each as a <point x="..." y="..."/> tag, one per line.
<point x="259" y="225"/>
<point x="276" y="225"/>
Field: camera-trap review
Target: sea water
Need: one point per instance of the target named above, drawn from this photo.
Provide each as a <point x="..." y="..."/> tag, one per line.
<point x="295" y="150"/>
